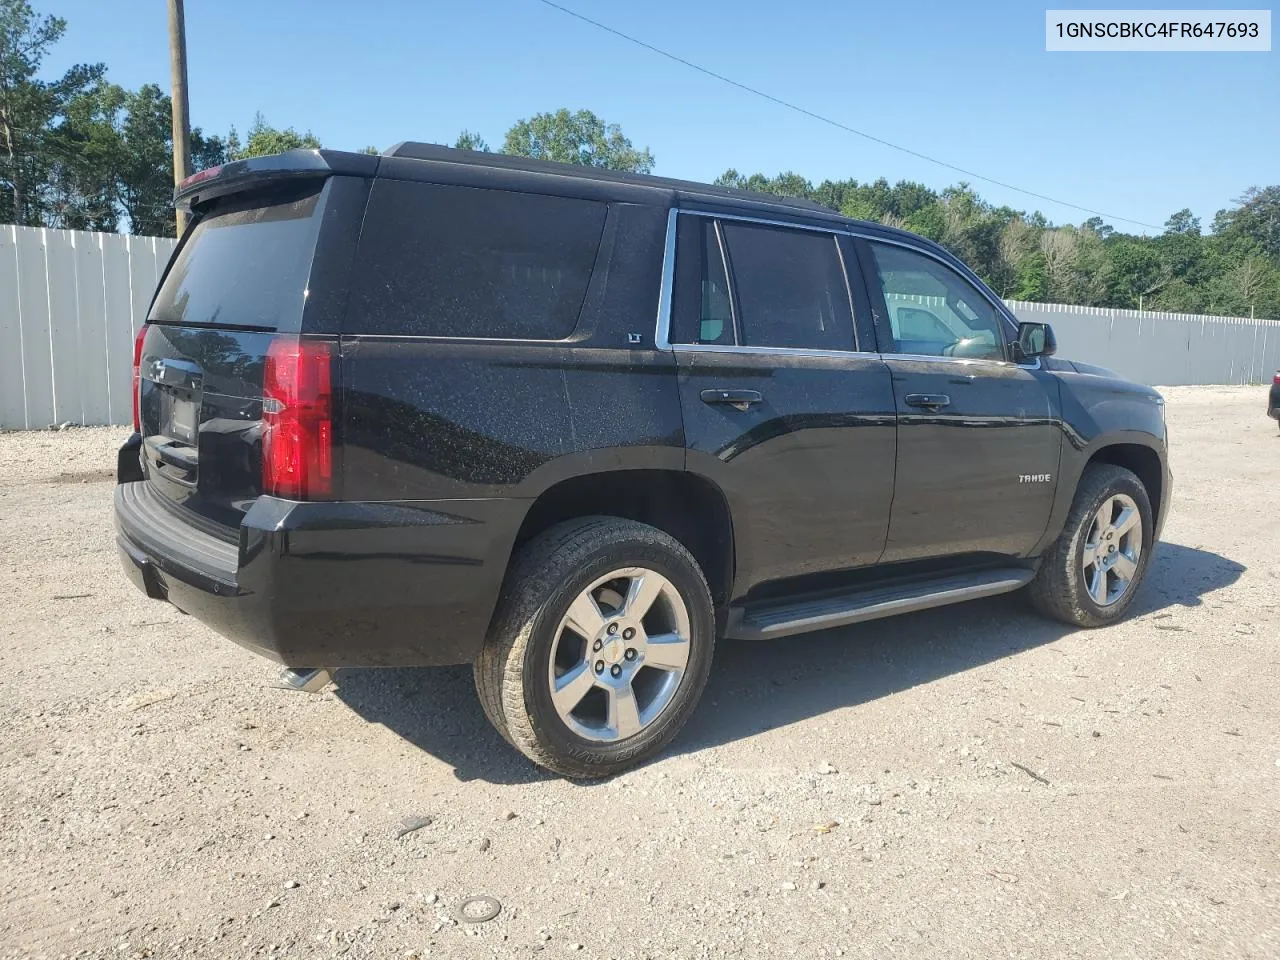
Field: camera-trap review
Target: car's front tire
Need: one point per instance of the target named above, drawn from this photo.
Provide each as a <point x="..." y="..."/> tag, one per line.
<point x="600" y="646"/>
<point x="1090" y="575"/>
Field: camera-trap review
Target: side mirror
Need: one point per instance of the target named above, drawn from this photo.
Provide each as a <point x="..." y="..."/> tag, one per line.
<point x="1034" y="340"/>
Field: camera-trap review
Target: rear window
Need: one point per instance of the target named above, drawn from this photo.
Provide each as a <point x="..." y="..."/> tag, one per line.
<point x="245" y="264"/>
<point x="447" y="261"/>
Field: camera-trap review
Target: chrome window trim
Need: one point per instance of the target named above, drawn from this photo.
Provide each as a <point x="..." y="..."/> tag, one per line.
<point x="771" y="351"/>
<point x="929" y="358"/>
<point x="833" y="230"/>
<point x="464" y="340"/>
<point x="663" y="332"/>
<point x="662" y="335"/>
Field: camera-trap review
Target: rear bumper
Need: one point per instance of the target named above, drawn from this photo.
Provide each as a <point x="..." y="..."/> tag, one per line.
<point x="329" y="584"/>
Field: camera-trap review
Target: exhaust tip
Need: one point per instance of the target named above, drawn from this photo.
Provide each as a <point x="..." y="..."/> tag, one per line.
<point x="305" y="679"/>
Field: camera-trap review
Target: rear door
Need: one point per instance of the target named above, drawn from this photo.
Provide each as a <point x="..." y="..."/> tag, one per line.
<point x="978" y="435"/>
<point x="781" y="410"/>
<point x="241" y="277"/>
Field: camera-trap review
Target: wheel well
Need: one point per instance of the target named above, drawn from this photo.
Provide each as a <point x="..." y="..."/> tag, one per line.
<point x="1144" y="462"/>
<point x="689" y="508"/>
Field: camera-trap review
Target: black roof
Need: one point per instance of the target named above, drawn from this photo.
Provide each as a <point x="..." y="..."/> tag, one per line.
<point x="663" y="190"/>
<point x="435" y="163"/>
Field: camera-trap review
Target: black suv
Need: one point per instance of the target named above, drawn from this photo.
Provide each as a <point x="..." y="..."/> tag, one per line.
<point x="572" y="426"/>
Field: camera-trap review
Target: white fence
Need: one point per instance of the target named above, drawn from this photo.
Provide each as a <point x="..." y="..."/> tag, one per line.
<point x="1163" y="348"/>
<point x="70" y="303"/>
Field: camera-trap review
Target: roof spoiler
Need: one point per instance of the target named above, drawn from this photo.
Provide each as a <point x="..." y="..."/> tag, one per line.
<point x="242" y="175"/>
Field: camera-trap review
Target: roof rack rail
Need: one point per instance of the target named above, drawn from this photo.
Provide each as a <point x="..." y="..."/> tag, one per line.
<point x="411" y="150"/>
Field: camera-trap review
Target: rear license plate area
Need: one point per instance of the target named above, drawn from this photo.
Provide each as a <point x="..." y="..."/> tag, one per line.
<point x="179" y="416"/>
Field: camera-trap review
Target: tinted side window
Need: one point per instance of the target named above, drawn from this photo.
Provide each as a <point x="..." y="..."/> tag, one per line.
<point x="451" y="261"/>
<point x="790" y="287"/>
<point x="701" y="309"/>
<point x="934" y="311"/>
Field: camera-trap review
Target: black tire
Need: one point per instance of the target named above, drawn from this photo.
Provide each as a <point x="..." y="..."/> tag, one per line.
<point x="1059" y="590"/>
<point x="542" y="581"/>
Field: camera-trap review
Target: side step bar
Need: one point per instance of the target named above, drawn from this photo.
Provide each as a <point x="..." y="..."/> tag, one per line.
<point x="788" y="618"/>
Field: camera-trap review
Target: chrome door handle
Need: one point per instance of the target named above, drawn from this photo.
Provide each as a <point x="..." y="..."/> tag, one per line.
<point x="929" y="401"/>
<point x="735" y="398"/>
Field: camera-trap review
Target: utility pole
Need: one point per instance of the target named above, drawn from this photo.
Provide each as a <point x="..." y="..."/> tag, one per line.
<point x="181" y="111"/>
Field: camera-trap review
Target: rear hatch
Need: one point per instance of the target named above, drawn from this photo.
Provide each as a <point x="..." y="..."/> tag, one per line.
<point x="236" y="291"/>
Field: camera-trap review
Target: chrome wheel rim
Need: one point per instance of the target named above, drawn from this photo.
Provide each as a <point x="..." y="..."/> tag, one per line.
<point x="1112" y="548"/>
<point x="619" y="655"/>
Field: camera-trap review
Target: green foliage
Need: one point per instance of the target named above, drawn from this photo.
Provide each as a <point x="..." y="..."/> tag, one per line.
<point x="80" y="152"/>
<point x="36" y="149"/>
<point x="1183" y="222"/>
<point x="265" y="139"/>
<point x="580" y="137"/>
<point x="1023" y="256"/>
<point x="1253" y="226"/>
<point x="471" y="141"/>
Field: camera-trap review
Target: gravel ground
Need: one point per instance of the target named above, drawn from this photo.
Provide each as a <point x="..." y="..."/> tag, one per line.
<point x="968" y="782"/>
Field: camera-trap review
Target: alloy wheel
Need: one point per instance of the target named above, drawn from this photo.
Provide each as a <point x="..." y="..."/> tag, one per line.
<point x="619" y="654"/>
<point x="1112" y="548"/>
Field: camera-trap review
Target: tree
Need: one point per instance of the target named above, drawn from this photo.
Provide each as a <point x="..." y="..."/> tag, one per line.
<point x="1250" y="281"/>
<point x="1023" y="256"/>
<point x="471" y="141"/>
<point x="122" y="171"/>
<point x="84" y="153"/>
<point x="1254" y="224"/>
<point x="1095" y="224"/>
<point x="265" y="139"/>
<point x="1133" y="271"/>
<point x="1018" y="241"/>
<point x="30" y="107"/>
<point x="580" y="137"/>
<point x="1059" y="250"/>
<point x="1183" y="222"/>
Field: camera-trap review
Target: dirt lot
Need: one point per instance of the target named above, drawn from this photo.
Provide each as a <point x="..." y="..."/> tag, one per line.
<point x="968" y="782"/>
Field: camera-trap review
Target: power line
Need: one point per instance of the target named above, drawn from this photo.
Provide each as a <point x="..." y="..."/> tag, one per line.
<point x="836" y="123"/>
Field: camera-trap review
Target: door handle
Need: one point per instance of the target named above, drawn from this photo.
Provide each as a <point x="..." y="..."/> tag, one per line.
<point x="735" y="398"/>
<point x="930" y="401"/>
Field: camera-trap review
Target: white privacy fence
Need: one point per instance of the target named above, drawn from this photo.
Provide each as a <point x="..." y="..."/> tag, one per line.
<point x="70" y="303"/>
<point x="1165" y="349"/>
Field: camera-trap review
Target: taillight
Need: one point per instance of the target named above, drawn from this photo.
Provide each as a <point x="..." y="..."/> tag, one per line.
<point x="137" y="377"/>
<point x="206" y="174"/>
<point x="297" y="420"/>
<point x="1276" y="379"/>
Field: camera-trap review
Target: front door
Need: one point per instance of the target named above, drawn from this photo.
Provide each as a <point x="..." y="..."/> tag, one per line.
<point x="978" y="436"/>
<point x="781" y="411"/>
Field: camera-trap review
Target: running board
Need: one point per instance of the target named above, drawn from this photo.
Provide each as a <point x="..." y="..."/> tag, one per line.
<point x="784" y="619"/>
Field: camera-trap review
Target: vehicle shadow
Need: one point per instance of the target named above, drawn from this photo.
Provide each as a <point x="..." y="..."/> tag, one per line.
<point x="766" y="685"/>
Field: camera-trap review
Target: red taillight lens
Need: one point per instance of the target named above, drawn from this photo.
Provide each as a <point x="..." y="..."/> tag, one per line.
<point x="137" y="377"/>
<point x="297" y="420"/>
<point x="1276" y="379"/>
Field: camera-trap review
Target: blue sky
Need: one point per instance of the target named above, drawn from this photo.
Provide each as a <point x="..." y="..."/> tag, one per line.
<point x="1134" y="135"/>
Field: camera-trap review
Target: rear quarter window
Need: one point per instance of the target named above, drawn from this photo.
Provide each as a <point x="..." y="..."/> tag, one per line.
<point x="448" y="261"/>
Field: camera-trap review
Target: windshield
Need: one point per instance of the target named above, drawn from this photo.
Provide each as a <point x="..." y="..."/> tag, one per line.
<point x="244" y="265"/>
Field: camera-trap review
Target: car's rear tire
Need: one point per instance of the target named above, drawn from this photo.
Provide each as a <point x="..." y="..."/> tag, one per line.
<point x="1090" y="575"/>
<point x="599" y="648"/>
